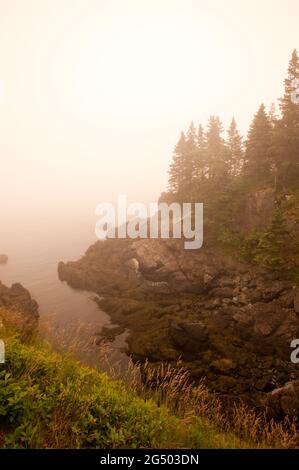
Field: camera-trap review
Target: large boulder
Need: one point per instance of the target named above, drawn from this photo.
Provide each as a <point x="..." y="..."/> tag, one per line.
<point x="268" y="325"/>
<point x="283" y="401"/>
<point x="189" y="336"/>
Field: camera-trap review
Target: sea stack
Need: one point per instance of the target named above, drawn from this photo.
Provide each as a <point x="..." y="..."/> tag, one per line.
<point x="3" y="259"/>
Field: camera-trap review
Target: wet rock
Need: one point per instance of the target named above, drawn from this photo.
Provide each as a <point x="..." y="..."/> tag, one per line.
<point x="189" y="336"/>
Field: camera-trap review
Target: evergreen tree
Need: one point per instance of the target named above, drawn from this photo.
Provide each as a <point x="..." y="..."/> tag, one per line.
<point x="217" y="154"/>
<point x="273" y="115"/>
<point x="200" y="163"/>
<point x="287" y="129"/>
<point x="235" y="149"/>
<point x="188" y="162"/>
<point x="176" y="167"/>
<point x="201" y="139"/>
<point x="181" y="174"/>
<point x="278" y="247"/>
<point x="258" y="146"/>
<point x="191" y="135"/>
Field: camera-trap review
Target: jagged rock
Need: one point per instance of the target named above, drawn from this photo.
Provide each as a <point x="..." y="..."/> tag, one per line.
<point x="269" y="326"/>
<point x="17" y="299"/>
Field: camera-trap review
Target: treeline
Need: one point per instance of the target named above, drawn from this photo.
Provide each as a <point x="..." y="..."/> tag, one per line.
<point x="270" y="153"/>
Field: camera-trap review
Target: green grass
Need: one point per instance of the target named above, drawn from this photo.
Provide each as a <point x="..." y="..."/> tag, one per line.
<point x="49" y="400"/>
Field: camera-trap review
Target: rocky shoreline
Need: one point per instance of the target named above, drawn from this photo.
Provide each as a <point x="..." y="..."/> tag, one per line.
<point x="229" y="323"/>
<point x="17" y="301"/>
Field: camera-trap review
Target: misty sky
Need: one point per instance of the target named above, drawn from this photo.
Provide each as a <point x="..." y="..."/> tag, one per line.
<point x="97" y="91"/>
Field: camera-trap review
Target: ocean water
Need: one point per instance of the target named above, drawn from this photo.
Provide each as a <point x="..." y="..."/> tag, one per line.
<point x="34" y="252"/>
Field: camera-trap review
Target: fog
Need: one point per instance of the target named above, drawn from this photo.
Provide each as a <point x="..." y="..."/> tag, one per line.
<point x="95" y="94"/>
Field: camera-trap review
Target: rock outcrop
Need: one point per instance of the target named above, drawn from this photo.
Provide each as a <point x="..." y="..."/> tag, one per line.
<point x="228" y="322"/>
<point x="16" y="304"/>
<point x="256" y="210"/>
<point x="283" y="401"/>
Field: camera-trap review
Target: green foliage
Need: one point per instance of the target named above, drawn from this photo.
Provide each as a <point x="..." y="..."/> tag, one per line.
<point x="235" y="150"/>
<point x="222" y="175"/>
<point x="276" y="248"/>
<point x="52" y="401"/>
<point x="273" y="248"/>
<point x="249" y="246"/>
<point x="48" y="400"/>
<point x="258" y="147"/>
<point x="204" y="156"/>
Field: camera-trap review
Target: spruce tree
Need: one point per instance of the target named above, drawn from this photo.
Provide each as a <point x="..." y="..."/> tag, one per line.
<point x="287" y="129"/>
<point x="201" y="139"/>
<point x="200" y="163"/>
<point x="217" y="154"/>
<point x="176" y="167"/>
<point x="258" y="161"/>
<point x="278" y="247"/>
<point x="235" y="149"/>
<point x="181" y="174"/>
<point x="188" y="162"/>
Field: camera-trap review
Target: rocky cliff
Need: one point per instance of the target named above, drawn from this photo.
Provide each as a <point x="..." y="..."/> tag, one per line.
<point x="228" y="322"/>
<point x="17" y="306"/>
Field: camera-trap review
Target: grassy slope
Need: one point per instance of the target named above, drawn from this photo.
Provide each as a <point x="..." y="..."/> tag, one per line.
<point x="52" y="401"/>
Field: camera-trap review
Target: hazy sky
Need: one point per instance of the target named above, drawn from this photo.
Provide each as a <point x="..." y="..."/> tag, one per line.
<point x="97" y="91"/>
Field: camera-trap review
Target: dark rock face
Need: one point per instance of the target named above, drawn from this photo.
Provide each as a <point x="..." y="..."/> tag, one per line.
<point x="257" y="210"/>
<point x="228" y="322"/>
<point x="269" y="325"/>
<point x="18" y="299"/>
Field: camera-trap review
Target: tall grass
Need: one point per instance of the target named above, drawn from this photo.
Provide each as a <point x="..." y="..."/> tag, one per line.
<point x="51" y="400"/>
<point x="171" y="386"/>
